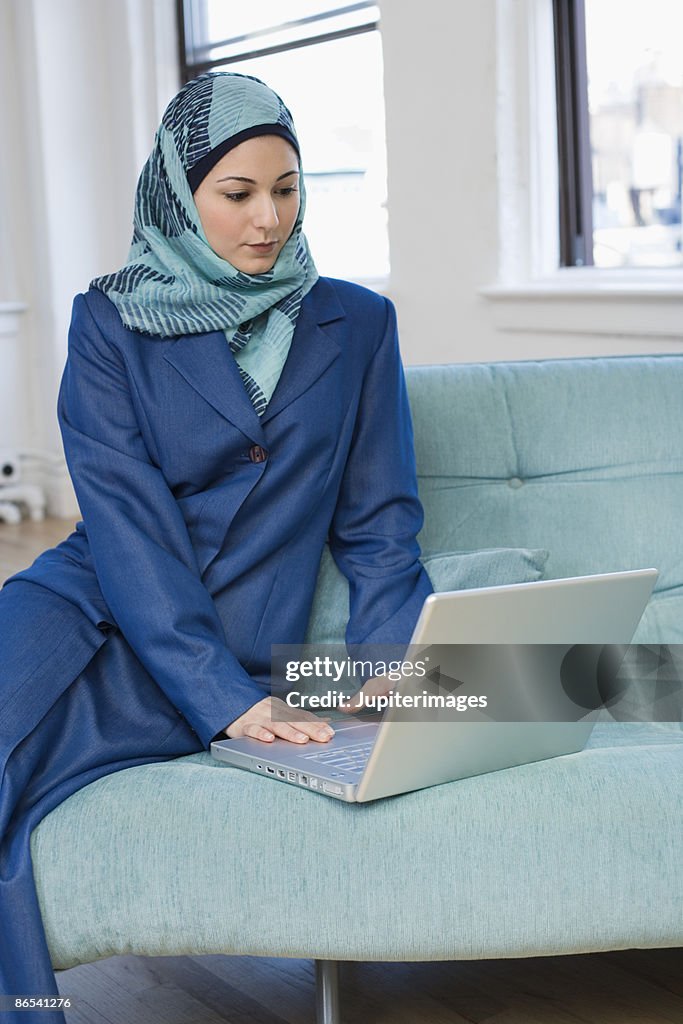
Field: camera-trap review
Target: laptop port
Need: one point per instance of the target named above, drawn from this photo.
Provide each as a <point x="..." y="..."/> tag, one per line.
<point x="303" y="779"/>
<point x="291" y="776"/>
<point x="271" y="771"/>
<point x="281" y="774"/>
<point x="260" y="767"/>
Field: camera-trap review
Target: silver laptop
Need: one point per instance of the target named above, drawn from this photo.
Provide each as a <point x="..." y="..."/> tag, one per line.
<point x="472" y="635"/>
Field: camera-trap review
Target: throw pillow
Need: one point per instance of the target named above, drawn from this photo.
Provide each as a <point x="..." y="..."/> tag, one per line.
<point x="452" y="570"/>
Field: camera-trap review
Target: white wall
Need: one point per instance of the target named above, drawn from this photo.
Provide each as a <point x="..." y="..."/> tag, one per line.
<point x="83" y="85"/>
<point x="472" y="187"/>
<point x="440" y="93"/>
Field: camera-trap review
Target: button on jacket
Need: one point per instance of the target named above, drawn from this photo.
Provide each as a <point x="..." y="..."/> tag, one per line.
<point x="203" y="523"/>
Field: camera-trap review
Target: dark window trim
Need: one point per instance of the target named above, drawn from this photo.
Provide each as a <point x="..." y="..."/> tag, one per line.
<point x="182" y="42"/>
<point x="311" y="19"/>
<point x="190" y="68"/>
<point x="573" y="134"/>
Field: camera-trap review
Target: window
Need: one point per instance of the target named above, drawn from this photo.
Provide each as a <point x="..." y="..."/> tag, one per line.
<point x="325" y="61"/>
<point x="619" y="79"/>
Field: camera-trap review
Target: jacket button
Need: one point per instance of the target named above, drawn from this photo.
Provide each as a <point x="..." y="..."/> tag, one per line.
<point x="257" y="453"/>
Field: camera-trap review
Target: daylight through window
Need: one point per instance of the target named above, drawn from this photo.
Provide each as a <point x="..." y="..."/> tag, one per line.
<point x="620" y="121"/>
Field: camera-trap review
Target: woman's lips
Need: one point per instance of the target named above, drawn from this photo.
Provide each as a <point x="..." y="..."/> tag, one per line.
<point x="261" y="247"/>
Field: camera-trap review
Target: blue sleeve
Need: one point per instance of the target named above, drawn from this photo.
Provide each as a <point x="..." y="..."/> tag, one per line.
<point x="378" y="514"/>
<point x="141" y="549"/>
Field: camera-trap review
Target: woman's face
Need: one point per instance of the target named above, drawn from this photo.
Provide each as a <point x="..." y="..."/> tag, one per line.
<point x="249" y="201"/>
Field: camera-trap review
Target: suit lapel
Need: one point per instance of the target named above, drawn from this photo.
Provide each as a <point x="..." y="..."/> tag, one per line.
<point x="312" y="349"/>
<point x="207" y="364"/>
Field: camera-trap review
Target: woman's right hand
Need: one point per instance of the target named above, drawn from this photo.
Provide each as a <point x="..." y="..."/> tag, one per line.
<point x="270" y="718"/>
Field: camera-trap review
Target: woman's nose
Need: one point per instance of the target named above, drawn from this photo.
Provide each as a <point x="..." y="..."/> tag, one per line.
<point x="265" y="213"/>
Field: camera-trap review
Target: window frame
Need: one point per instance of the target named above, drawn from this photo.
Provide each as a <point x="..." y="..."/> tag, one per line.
<point x="575" y="148"/>
<point x="573" y="134"/>
<point x="631" y="309"/>
<point x="190" y="68"/>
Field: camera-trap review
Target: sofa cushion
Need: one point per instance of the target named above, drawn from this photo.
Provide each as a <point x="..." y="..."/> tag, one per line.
<point x="577" y="853"/>
<point x="454" y="570"/>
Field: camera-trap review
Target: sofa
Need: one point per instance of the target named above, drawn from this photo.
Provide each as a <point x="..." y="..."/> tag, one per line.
<point x="553" y="468"/>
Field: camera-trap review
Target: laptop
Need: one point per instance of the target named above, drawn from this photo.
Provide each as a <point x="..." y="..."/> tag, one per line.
<point x="512" y="641"/>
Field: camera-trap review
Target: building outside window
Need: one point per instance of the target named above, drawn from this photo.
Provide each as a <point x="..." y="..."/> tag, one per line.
<point x="325" y="60"/>
<point x="621" y="164"/>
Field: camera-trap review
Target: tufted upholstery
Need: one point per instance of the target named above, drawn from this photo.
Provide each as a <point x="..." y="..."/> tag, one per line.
<point x="582" y="457"/>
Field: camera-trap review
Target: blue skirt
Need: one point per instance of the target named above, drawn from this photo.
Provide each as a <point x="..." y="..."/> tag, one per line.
<point x="75" y="704"/>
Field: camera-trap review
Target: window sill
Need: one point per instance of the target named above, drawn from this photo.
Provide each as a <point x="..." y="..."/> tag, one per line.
<point x="590" y="301"/>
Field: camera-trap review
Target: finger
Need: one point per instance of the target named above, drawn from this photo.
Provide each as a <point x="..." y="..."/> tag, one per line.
<point x="301" y="732"/>
<point x="269" y="718"/>
<point x="307" y="725"/>
<point x="352" y="703"/>
<point x="286" y="731"/>
<point x="357" y="701"/>
<point x="316" y="729"/>
<point x="377" y="685"/>
<point x="257" y="732"/>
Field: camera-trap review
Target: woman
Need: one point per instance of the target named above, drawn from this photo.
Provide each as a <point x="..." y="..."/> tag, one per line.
<point x="225" y="412"/>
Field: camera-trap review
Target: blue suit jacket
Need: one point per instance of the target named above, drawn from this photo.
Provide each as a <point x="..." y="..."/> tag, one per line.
<point x="203" y="557"/>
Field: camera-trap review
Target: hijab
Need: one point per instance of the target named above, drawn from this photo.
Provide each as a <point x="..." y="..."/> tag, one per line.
<point x="173" y="283"/>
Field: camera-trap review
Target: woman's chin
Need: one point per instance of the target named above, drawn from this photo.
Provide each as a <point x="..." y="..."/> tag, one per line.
<point x="255" y="264"/>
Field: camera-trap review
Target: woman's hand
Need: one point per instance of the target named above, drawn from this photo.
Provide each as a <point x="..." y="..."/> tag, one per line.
<point x="268" y="719"/>
<point x="375" y="687"/>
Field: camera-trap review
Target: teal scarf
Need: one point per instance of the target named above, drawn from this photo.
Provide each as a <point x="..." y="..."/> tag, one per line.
<point x="173" y="282"/>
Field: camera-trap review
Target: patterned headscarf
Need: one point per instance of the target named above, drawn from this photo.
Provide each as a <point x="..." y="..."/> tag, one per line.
<point x="173" y="282"/>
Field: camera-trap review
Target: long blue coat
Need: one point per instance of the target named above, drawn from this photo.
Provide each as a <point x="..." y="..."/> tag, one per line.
<point x="149" y="629"/>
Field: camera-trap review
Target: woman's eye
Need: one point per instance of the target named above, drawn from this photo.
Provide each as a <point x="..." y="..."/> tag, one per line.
<point x="288" y="190"/>
<point x="236" y="197"/>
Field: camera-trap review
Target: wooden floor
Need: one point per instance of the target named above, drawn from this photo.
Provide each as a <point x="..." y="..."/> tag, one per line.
<point x="20" y="544"/>
<point x="628" y="987"/>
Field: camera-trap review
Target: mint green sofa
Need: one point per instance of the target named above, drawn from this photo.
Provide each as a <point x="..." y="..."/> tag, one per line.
<point x="580" y="464"/>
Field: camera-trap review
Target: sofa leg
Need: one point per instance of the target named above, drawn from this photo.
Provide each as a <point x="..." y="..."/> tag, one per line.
<point x="327" y="992"/>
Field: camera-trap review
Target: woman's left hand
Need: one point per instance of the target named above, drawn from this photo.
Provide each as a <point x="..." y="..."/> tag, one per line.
<point x="375" y="687"/>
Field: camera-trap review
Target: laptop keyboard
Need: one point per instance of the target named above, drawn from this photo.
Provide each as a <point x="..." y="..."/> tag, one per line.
<point x="349" y="759"/>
